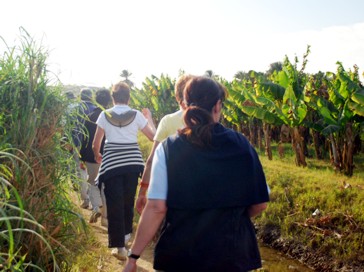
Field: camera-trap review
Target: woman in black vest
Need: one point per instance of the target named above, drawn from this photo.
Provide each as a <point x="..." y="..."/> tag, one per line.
<point x="207" y="183"/>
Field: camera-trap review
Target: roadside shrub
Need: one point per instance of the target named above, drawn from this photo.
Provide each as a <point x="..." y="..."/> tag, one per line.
<point x="39" y="226"/>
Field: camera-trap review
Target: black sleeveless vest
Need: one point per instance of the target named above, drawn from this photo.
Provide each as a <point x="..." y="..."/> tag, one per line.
<point x="207" y="227"/>
<point x="227" y="175"/>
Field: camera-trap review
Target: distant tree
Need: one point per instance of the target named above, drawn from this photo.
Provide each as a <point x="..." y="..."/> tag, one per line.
<point x="209" y="73"/>
<point x="157" y="94"/>
<point x="241" y="75"/>
<point x="181" y="72"/>
<point x="126" y="74"/>
<point x="275" y="66"/>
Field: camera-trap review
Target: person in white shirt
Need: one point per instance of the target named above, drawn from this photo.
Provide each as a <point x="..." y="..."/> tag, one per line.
<point x="121" y="163"/>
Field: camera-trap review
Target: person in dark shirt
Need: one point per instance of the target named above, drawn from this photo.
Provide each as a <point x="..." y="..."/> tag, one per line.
<point x="206" y="182"/>
<point x="83" y="109"/>
<point x="103" y="98"/>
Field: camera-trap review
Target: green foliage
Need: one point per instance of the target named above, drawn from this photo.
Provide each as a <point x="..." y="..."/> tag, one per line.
<point x="145" y="145"/>
<point x="157" y="94"/>
<point x="295" y="195"/>
<point x="231" y="112"/>
<point x="274" y="102"/>
<point x="15" y="222"/>
<point x="270" y="90"/>
<point x="331" y="104"/>
<point x="344" y="100"/>
<point x="40" y="229"/>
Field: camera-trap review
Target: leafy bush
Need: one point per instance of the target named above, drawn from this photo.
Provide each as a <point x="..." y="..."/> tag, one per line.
<point x="39" y="227"/>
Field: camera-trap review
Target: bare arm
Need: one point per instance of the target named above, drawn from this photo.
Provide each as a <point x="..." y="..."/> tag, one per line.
<point x="141" y="200"/>
<point x="96" y="144"/>
<point x="147" y="131"/>
<point x="148" y="115"/>
<point x="256" y="209"/>
<point x="149" y="222"/>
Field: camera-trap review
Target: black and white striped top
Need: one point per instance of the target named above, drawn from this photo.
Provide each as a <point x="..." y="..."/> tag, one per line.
<point x="120" y="158"/>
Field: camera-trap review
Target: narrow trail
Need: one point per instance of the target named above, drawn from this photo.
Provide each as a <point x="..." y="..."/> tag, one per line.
<point x="108" y="263"/>
<point x="272" y="261"/>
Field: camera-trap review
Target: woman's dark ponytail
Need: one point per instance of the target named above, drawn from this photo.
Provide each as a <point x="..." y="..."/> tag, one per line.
<point x="198" y="126"/>
<point x="201" y="95"/>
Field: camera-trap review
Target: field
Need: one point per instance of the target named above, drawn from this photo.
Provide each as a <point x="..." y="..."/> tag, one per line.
<point x="315" y="215"/>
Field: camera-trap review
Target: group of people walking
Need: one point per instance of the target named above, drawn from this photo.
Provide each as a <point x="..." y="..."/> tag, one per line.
<point x="200" y="187"/>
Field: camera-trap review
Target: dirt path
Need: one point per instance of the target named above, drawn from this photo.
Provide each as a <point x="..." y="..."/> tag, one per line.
<point x="108" y="263"/>
<point x="272" y="261"/>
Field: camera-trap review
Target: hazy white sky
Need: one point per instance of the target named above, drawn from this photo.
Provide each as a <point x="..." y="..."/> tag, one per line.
<point x="91" y="42"/>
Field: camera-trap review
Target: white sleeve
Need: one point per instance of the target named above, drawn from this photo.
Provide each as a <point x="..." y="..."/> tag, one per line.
<point x="141" y="120"/>
<point x="101" y="120"/>
<point x="158" y="186"/>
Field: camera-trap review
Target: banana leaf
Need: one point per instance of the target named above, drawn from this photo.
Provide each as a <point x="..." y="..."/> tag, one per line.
<point x="262" y="114"/>
<point x="270" y="90"/>
<point x="289" y="96"/>
<point x="356" y="108"/>
<point x="358" y="97"/>
<point x="330" y="129"/>
<point x="326" y="114"/>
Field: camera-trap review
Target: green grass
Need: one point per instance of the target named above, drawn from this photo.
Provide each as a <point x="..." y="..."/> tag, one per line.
<point x="297" y="192"/>
<point x="40" y="229"/>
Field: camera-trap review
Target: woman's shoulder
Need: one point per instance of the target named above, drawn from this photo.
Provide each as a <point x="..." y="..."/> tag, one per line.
<point x="101" y="115"/>
<point x="137" y="112"/>
<point x="174" y="139"/>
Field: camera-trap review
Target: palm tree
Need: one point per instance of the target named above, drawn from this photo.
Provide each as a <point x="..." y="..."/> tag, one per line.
<point x="126" y="74"/>
<point x="209" y="73"/>
<point x="181" y="72"/>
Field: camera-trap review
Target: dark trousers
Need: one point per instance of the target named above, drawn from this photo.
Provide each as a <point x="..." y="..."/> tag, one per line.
<point x="120" y="195"/>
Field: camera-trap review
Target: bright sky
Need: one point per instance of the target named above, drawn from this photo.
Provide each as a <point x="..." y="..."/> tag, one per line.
<point x="91" y="42"/>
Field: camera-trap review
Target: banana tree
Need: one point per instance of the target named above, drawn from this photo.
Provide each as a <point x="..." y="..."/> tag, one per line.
<point x="265" y="110"/>
<point x="316" y="87"/>
<point x="341" y="116"/>
<point x="254" y="98"/>
<point x="232" y="112"/>
<point x="157" y="94"/>
<point x="280" y="102"/>
<point x="232" y="117"/>
<point x="293" y="109"/>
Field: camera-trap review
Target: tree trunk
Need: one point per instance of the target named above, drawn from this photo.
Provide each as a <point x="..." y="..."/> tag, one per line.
<point x="348" y="151"/>
<point x="280" y="144"/>
<point x="335" y="153"/>
<point x="316" y="143"/>
<point x="268" y="148"/>
<point x="285" y="134"/>
<point x="305" y="135"/>
<point x="251" y="134"/>
<point x="297" y="145"/>
<point x="281" y="150"/>
<point x="260" y="140"/>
